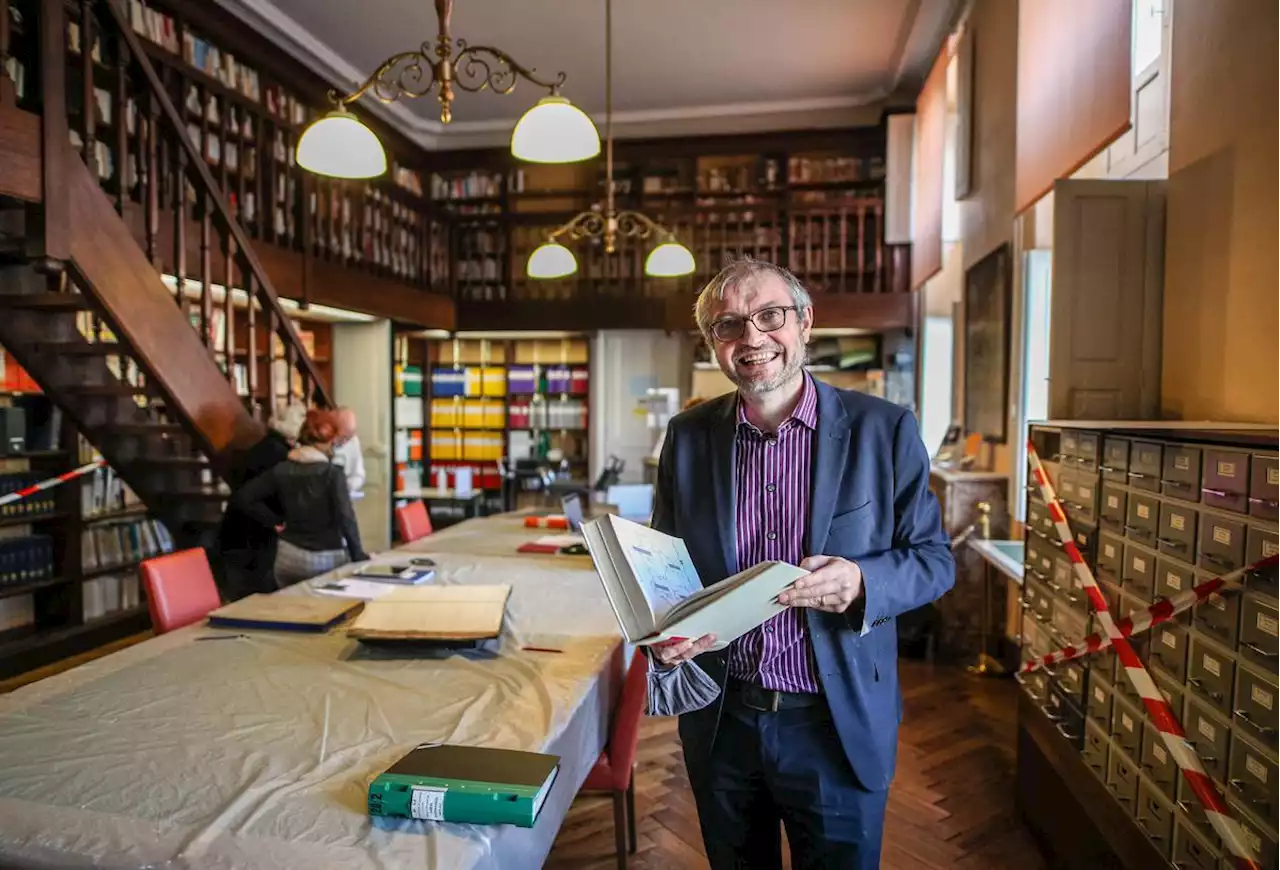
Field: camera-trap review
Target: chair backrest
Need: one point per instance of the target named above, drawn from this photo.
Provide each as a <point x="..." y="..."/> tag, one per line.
<point x="625" y="731"/>
<point x="413" y="521"/>
<point x="180" y="589"/>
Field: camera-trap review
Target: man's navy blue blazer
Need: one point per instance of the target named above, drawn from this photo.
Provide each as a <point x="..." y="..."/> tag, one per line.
<point x="870" y="503"/>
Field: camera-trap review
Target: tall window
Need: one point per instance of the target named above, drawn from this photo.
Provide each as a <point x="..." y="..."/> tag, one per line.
<point x="936" y="381"/>
<point x="1034" y="398"/>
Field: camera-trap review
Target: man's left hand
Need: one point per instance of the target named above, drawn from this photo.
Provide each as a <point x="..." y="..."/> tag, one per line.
<point x="832" y="585"/>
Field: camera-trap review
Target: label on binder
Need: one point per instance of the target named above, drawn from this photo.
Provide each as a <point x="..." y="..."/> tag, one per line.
<point x="1222" y="535"/>
<point x="427" y="803"/>
<point x="1226" y="469"/>
<point x="1211" y="665"/>
<point x="1126" y="721"/>
<point x="1270" y="548"/>
<point x="1178" y="522"/>
<point x="1206" y="728"/>
<point x="1182" y="463"/>
<point x="1169" y="639"/>
<point x="1144" y="511"/>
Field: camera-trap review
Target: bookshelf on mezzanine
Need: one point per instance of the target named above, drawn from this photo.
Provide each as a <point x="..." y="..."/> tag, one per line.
<point x="243" y="114"/>
<point x="811" y="201"/>
<point x="484" y="400"/>
<point x="68" y="555"/>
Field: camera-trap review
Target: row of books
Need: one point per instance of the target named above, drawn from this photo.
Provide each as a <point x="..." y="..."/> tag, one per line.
<point x="220" y="65"/>
<point x="26" y="559"/>
<point x="102" y="491"/>
<point x="478" y="446"/>
<point x="118" y="544"/>
<point x="561" y="414"/>
<point x="110" y="594"/>
<point x="515" y="379"/>
<point x="473" y="185"/>
<point x="35" y="505"/>
<point x="408" y="446"/>
<point x="468" y="414"/>
<point x="483" y="475"/>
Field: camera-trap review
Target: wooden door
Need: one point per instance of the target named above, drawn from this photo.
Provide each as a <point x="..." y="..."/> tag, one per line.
<point x="1108" y="277"/>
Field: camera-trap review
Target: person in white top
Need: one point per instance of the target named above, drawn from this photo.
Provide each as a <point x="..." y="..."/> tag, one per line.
<point x="347" y="453"/>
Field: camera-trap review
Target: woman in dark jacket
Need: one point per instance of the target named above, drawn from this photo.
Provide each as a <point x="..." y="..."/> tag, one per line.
<point x="306" y="499"/>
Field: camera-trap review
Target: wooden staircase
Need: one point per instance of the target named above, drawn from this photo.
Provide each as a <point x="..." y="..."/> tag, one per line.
<point x="84" y="309"/>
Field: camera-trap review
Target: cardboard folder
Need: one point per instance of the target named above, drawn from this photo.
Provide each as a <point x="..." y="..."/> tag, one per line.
<point x="434" y="613"/>
<point x="283" y="612"/>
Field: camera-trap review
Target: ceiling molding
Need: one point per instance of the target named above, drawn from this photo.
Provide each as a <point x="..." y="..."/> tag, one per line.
<point x="804" y="113"/>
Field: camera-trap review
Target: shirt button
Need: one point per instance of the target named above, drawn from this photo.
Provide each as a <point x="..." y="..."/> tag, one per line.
<point x="772" y="487"/>
<point x="773" y="536"/>
<point x="768" y="629"/>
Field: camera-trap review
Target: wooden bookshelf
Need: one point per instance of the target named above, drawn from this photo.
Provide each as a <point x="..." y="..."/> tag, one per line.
<point x="70" y="582"/>
<point x="483" y="401"/>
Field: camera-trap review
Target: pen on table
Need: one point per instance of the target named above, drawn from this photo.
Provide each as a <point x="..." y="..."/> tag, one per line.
<point x="221" y="636"/>
<point x="540" y="649"/>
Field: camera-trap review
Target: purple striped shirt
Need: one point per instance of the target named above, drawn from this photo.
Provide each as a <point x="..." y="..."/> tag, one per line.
<point x="772" y="485"/>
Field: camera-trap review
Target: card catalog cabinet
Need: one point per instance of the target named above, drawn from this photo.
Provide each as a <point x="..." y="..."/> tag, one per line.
<point x="1163" y="510"/>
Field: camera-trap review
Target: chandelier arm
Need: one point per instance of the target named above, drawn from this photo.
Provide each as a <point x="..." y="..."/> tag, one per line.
<point x="477" y="67"/>
<point x="415" y="79"/>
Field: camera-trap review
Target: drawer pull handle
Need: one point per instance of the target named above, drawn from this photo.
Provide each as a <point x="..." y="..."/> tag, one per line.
<point x="1217" y="696"/>
<point x="1044" y="708"/>
<point x="1019" y="678"/>
<point x="1220" y="493"/>
<point x="1218" y="561"/>
<point x="1056" y="587"/>
<point x="1136" y="474"/>
<point x="1269" y="502"/>
<point x="1170" y="542"/>
<point x="1062" y="729"/>
<point x="1137" y="530"/>
<point x="1260" y="651"/>
<point x="1107" y="468"/>
<point x="1261" y="729"/>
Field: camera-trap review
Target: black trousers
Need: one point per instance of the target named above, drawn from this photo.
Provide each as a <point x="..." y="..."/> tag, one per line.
<point x="784" y="768"/>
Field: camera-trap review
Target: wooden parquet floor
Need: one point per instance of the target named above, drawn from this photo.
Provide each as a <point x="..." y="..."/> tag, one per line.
<point x="951" y="804"/>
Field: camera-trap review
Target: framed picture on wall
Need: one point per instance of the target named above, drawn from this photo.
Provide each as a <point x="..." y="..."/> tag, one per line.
<point x="988" y="292"/>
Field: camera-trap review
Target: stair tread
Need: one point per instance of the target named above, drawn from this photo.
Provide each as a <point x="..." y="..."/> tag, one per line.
<point x="52" y="299"/>
<point x="109" y="390"/>
<point x="144" y="428"/>
<point x="177" y="461"/>
<point x="87" y="348"/>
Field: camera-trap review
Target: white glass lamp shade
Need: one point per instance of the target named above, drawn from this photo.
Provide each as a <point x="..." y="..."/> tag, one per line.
<point x="669" y="260"/>
<point x="555" y="131"/>
<point x="341" y="146"/>
<point x="551" y="260"/>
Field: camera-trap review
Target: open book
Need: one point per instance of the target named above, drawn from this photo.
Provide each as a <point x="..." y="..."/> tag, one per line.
<point x="656" y="593"/>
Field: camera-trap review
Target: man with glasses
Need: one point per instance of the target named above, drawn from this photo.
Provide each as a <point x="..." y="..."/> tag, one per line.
<point x="803" y="732"/>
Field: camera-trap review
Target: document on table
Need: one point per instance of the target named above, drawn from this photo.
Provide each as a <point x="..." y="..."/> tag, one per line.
<point x="351" y="587"/>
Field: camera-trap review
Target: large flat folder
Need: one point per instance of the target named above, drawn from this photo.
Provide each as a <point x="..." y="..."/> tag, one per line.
<point x="433" y="614"/>
<point x="469" y="784"/>
<point x="283" y="612"/>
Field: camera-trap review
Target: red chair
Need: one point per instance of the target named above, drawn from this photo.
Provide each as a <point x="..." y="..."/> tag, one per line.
<point x="180" y="589"/>
<point x="614" y="771"/>
<point x="413" y="521"/>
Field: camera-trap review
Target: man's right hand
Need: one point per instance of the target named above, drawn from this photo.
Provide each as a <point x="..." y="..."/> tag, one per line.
<point x="673" y="652"/>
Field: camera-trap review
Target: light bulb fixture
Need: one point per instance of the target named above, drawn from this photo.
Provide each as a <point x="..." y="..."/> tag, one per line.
<point x="669" y="259"/>
<point x="564" y="134"/>
<point x="340" y="145"/>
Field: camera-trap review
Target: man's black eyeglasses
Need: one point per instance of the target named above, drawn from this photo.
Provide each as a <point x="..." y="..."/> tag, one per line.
<point x="765" y="320"/>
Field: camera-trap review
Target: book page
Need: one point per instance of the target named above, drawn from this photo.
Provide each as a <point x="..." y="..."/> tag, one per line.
<point x="660" y="563"/>
<point x="743" y="605"/>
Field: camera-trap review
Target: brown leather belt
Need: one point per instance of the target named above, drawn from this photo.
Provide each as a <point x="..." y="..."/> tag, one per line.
<point x="764" y="700"/>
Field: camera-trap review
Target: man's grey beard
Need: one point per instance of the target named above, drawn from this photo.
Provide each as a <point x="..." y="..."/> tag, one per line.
<point x="794" y="364"/>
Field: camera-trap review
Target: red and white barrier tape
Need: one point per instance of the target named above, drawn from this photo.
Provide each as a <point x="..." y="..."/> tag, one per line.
<point x="50" y="483"/>
<point x="1140" y="620"/>
<point x="1227" y="828"/>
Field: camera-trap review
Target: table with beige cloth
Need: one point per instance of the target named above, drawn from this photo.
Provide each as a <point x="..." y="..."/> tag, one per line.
<point x="256" y="751"/>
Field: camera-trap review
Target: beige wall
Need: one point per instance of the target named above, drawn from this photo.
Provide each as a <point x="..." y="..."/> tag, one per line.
<point x="986" y="215"/>
<point x="1220" y="358"/>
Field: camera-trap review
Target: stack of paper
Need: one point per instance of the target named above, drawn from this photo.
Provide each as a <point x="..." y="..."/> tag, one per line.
<point x="290" y="612"/>
<point x="434" y="613"/>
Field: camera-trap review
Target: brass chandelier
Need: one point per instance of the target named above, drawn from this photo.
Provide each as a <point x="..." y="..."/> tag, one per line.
<point x="552" y="131"/>
<point x="669" y="259"/>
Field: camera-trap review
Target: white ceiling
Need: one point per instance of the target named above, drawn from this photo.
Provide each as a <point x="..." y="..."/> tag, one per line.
<point x="679" y="66"/>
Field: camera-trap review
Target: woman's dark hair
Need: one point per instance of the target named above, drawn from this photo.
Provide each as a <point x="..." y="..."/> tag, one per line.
<point x="319" y="427"/>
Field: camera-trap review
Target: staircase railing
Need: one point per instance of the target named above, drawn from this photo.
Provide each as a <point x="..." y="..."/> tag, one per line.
<point x="161" y="181"/>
